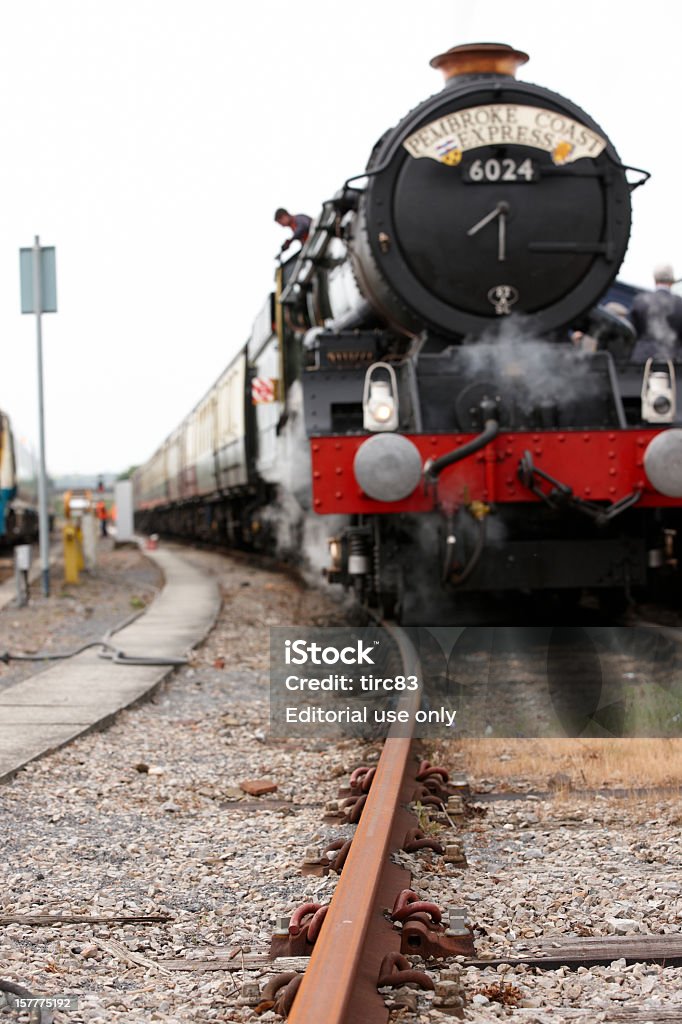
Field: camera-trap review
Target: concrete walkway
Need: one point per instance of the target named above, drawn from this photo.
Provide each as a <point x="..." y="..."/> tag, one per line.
<point x="42" y="713"/>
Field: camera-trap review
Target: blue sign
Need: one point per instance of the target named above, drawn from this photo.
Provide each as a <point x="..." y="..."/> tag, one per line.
<point x="48" y="280"/>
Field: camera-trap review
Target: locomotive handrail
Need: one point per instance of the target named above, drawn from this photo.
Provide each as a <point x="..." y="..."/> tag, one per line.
<point x="366" y="174"/>
<point x="374" y="171"/>
<point x="638" y="170"/>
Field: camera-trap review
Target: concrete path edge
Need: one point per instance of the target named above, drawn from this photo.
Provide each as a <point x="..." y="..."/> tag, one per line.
<point x="50" y="709"/>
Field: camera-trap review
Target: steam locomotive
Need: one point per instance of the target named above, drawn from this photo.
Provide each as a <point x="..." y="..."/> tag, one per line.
<point x="412" y="384"/>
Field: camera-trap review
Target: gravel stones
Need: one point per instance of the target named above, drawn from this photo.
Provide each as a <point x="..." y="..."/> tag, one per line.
<point x="149" y="817"/>
<point x="123" y="582"/>
<point x="152" y="817"/>
<point x="258" y="787"/>
<point x="568" y="866"/>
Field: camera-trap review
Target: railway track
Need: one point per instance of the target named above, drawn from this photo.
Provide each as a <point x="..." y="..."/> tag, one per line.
<point x="375" y="919"/>
<point x="357" y="949"/>
<point x="367" y="918"/>
<point x="341" y="981"/>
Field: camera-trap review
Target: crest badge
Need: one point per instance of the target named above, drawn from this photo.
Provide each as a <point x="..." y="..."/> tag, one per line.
<point x="503" y="297"/>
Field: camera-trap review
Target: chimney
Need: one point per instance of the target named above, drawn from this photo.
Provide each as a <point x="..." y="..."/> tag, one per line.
<point x="479" y="59"/>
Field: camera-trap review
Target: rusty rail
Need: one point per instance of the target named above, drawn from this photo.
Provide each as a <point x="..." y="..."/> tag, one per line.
<point x="340" y="983"/>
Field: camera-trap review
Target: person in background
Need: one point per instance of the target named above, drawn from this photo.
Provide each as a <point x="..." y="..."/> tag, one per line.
<point x="657" y="319"/>
<point x="101" y="513"/>
<point x="299" y="224"/>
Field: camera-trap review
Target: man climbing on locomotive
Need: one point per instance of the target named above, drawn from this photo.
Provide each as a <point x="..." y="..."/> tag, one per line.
<point x="299" y="224"/>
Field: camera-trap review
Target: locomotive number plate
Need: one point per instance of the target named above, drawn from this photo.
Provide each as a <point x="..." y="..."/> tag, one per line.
<point x="493" y="170"/>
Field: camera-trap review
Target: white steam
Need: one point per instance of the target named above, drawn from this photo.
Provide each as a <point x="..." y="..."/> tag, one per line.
<point x="658" y="328"/>
<point x="298" y="530"/>
<point x="528" y="371"/>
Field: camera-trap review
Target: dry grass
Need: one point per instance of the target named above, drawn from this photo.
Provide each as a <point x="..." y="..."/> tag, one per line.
<point x="589" y="763"/>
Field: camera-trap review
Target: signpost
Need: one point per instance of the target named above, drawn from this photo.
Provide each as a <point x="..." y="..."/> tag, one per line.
<point x="39" y="295"/>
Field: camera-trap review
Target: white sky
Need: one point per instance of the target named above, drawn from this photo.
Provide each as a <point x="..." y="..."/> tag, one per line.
<point x="150" y="141"/>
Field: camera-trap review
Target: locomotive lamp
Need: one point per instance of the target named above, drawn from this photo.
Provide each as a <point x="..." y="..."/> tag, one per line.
<point x="380" y="400"/>
<point x="658" y="392"/>
<point x="380" y="406"/>
<point x="335" y="554"/>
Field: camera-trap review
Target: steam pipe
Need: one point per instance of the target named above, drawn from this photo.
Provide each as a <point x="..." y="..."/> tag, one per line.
<point x="460" y="577"/>
<point x="490" y="431"/>
<point x="450" y="542"/>
<point x="465" y="573"/>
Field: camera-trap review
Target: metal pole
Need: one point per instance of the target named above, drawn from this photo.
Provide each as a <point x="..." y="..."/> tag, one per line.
<point x="43" y="521"/>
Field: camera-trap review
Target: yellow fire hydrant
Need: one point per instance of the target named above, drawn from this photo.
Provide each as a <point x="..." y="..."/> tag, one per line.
<point x="73" y="552"/>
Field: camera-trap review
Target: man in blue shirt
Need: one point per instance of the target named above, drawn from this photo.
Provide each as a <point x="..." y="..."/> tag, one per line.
<point x="299" y="224"/>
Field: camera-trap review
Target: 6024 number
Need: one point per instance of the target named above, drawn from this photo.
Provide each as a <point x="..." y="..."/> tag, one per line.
<point x="500" y="170"/>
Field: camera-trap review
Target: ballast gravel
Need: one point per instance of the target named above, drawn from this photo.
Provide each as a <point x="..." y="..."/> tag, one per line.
<point x="542" y="871"/>
<point x="121" y="586"/>
<point x="149" y="818"/>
